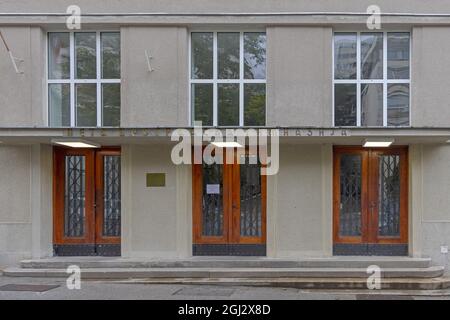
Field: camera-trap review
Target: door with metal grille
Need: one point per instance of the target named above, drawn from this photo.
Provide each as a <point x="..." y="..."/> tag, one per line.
<point x="229" y="207"/>
<point x="370" y="201"/>
<point x="87" y="202"/>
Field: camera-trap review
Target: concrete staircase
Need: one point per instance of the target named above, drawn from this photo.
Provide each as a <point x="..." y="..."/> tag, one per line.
<point x="323" y="273"/>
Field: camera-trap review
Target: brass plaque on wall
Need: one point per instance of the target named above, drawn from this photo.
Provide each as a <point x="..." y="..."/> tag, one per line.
<point x="156" y="179"/>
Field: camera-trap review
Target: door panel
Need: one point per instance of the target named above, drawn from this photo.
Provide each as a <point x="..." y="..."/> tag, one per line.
<point x="73" y="197"/>
<point x="86" y="206"/>
<point x="389" y="196"/>
<point x="108" y="196"/>
<point x="249" y="199"/>
<point x="229" y="205"/>
<point x="370" y="199"/>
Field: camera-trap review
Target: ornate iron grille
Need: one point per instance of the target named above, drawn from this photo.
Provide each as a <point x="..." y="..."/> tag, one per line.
<point x="74" y="204"/>
<point x="250" y="200"/>
<point x="212" y="204"/>
<point x="389" y="195"/>
<point x="111" y="196"/>
<point x="350" y="206"/>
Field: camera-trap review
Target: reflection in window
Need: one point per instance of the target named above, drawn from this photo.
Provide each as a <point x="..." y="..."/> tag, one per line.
<point x="345" y="56"/>
<point x="345" y="105"/>
<point x="371" y="78"/>
<point x="398" y="104"/>
<point x="228" y="76"/>
<point x="88" y="95"/>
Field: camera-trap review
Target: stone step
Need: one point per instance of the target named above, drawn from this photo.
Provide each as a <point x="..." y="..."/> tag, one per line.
<point x="305" y="283"/>
<point x="134" y="273"/>
<point x="228" y="262"/>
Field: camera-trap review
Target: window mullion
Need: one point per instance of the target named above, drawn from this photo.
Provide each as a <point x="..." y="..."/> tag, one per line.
<point x="72" y="82"/>
<point x="241" y="79"/>
<point x="385" y="86"/>
<point x="358" y="79"/>
<point x="215" y="86"/>
<point x="99" y="76"/>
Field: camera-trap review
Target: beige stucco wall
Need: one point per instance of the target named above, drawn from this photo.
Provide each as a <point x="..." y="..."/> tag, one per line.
<point x="299" y="203"/>
<point x="221" y="6"/>
<point x="22" y="101"/>
<point x="156" y="220"/>
<point x="158" y="98"/>
<point x="430" y="77"/>
<point x="299" y="76"/>
<point x="436" y="204"/>
<point x="430" y="210"/>
<point x="15" y="196"/>
<point x="25" y="202"/>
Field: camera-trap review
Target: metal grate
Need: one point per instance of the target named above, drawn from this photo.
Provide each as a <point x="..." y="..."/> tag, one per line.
<point x="212" y="204"/>
<point x="111" y="196"/>
<point x="250" y="199"/>
<point x="389" y="195"/>
<point x="74" y="204"/>
<point x="350" y="205"/>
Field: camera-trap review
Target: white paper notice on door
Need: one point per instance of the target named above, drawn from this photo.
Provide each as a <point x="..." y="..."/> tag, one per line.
<point x="213" y="188"/>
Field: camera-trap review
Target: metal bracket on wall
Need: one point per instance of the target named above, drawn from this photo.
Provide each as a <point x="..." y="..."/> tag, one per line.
<point x="149" y="58"/>
<point x="14" y="60"/>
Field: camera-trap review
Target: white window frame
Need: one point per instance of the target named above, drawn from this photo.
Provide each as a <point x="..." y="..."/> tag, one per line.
<point x="215" y="81"/>
<point x="385" y="81"/>
<point x="72" y="81"/>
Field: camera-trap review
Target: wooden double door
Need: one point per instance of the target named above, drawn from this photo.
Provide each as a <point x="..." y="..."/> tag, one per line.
<point x="86" y="202"/>
<point x="370" y="203"/>
<point x="229" y="207"/>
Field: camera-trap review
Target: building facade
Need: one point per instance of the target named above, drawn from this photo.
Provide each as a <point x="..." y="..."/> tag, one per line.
<point x="310" y="70"/>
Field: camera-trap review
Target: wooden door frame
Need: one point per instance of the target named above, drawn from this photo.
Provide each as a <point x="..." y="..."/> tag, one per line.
<point x="369" y="191"/>
<point x="99" y="192"/>
<point x="402" y="152"/>
<point x="231" y="206"/>
<point x="59" y="166"/>
<point x="337" y="152"/>
<point x="93" y="196"/>
<point x="236" y="237"/>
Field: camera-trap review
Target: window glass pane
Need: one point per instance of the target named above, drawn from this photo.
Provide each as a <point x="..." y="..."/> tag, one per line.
<point x="111" y="196"/>
<point x="110" y="48"/>
<point x="58" y="56"/>
<point x="250" y="197"/>
<point x="351" y="195"/>
<point x="254" y="55"/>
<point x="111" y="104"/>
<point x="86" y="104"/>
<point x="202" y="103"/>
<point x="86" y="67"/>
<point x="372" y="56"/>
<point x="398" y="55"/>
<point x="389" y="195"/>
<point x="398" y="104"/>
<point x="372" y="104"/>
<point x="255" y="104"/>
<point x="212" y="202"/>
<point x="345" y="56"/>
<point x="345" y="105"/>
<point x="228" y="104"/>
<point x="59" y="105"/>
<point x="228" y="55"/>
<point x="75" y="196"/>
<point x="202" y="55"/>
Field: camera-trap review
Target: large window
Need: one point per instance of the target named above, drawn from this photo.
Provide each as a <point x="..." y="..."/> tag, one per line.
<point x="228" y="78"/>
<point x="84" y="79"/>
<point x="371" y="80"/>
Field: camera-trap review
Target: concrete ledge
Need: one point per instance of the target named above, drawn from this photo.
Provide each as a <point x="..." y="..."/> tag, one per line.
<point x="308" y="283"/>
<point x="133" y="273"/>
<point x="227" y="262"/>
